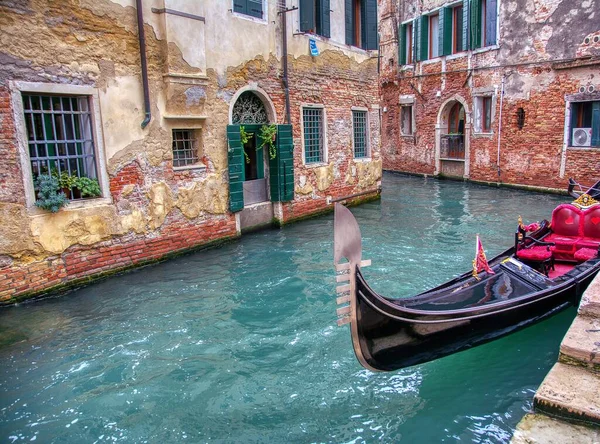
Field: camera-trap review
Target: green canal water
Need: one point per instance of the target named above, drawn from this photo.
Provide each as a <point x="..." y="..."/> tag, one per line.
<point x="240" y="343"/>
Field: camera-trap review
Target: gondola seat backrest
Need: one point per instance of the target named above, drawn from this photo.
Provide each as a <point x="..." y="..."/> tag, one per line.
<point x="566" y="221"/>
<point x="591" y="229"/>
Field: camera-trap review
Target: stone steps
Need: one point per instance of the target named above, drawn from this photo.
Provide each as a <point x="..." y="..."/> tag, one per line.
<point x="581" y="345"/>
<point x="535" y="428"/>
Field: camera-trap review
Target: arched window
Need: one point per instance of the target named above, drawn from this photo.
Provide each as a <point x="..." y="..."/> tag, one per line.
<point x="456" y="119"/>
<point x="249" y="109"/>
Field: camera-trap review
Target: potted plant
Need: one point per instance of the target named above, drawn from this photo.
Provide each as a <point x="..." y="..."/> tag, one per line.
<point x="48" y="196"/>
<point x="88" y="187"/>
<point x="245" y="138"/>
<point x="268" y="134"/>
<point x="66" y="183"/>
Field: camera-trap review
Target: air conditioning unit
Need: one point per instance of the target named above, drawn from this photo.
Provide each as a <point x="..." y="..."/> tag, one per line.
<point x="582" y="137"/>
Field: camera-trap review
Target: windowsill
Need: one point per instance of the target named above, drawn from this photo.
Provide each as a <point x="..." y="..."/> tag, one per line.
<point x="316" y="164"/>
<point x="408" y="67"/>
<point x="451" y="159"/>
<point x="431" y="61"/>
<point x="362" y="159"/>
<point x="262" y="21"/>
<point x="457" y="55"/>
<point x="483" y="135"/>
<point x="74" y="206"/>
<point x="486" y="49"/>
<point x="196" y="166"/>
<point x="328" y="40"/>
<point x="407" y="135"/>
<point x="584" y="148"/>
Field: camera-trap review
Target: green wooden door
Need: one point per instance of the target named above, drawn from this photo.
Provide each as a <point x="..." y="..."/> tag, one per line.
<point x="281" y="174"/>
<point x="235" y="156"/>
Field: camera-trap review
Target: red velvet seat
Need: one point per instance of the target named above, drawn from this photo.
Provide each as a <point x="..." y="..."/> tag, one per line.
<point x="535" y="254"/>
<point x="585" y="254"/>
<point x="566" y="231"/>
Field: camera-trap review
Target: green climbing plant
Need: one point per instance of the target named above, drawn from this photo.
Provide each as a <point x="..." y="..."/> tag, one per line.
<point x="245" y="138"/>
<point x="267" y="135"/>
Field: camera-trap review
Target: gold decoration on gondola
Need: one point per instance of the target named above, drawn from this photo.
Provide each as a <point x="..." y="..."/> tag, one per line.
<point x="585" y="201"/>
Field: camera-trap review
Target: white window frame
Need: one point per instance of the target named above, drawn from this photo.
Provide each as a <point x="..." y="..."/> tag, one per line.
<point x="367" y="155"/>
<point x="324" y="161"/>
<point x="406" y="101"/>
<point x="478" y="111"/>
<point x="17" y="89"/>
<point x="263" y="20"/>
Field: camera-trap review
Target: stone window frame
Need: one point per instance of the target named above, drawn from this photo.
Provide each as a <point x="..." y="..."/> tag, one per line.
<point x="263" y="20"/>
<point x="18" y="88"/>
<point x="368" y="151"/>
<point x="406" y="101"/>
<point x="478" y="95"/>
<point x="324" y="161"/>
<point x="197" y="132"/>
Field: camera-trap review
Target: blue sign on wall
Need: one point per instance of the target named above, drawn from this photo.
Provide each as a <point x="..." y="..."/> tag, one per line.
<point x="312" y="44"/>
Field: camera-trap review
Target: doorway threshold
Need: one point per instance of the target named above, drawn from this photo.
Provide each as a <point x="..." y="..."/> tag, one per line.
<point x="256" y="216"/>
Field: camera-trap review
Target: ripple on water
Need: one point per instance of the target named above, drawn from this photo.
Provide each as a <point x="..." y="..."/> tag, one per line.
<point x="239" y="344"/>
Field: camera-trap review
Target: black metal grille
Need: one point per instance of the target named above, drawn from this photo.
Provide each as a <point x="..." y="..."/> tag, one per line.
<point x="59" y="135"/>
<point x="185" y="150"/>
<point x="359" y="119"/>
<point x="313" y="134"/>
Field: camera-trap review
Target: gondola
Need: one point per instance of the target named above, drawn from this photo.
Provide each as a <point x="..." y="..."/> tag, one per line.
<point x="545" y="271"/>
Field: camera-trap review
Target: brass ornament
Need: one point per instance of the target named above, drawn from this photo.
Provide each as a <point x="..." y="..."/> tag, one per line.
<point x="585" y="201"/>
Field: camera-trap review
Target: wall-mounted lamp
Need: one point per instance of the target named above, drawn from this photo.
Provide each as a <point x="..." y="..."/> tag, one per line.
<point x="520" y="118"/>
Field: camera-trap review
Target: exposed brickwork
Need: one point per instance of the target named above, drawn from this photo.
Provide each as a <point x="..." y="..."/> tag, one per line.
<point x="11" y="184"/>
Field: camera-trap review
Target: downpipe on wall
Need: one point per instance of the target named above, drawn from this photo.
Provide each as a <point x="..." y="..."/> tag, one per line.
<point x="144" y="65"/>
<point x="500" y="127"/>
<point x="286" y="87"/>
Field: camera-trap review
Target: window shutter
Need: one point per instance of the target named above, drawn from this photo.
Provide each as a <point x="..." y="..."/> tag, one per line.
<point x="281" y="169"/>
<point x="424" y="38"/>
<point x="349" y="16"/>
<point x="325" y="18"/>
<point x="465" y="30"/>
<point x="369" y="24"/>
<point x="235" y="156"/>
<point x="402" y="45"/>
<point x="417" y="39"/>
<point x="596" y="123"/>
<point x="475" y="24"/>
<point x="307" y="15"/>
<point x="255" y="8"/>
<point x="240" y="6"/>
<point x="446" y="31"/>
<point x="415" y="24"/>
<point x="491" y="18"/>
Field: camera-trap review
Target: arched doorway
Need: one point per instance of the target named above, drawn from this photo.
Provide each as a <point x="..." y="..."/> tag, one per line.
<point x="452" y="139"/>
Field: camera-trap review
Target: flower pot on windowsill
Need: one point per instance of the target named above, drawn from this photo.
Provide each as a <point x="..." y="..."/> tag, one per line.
<point x="72" y="193"/>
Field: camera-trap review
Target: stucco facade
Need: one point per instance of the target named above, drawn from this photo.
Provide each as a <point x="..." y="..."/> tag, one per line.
<point x="492" y="90"/>
<point x="201" y="58"/>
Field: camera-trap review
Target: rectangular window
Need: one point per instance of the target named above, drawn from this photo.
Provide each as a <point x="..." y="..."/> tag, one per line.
<point x="585" y="124"/>
<point x="361" y="23"/>
<point x="406" y="120"/>
<point x="359" y="121"/>
<point x="185" y="147"/>
<point x="408" y="33"/>
<point x="312" y="119"/>
<point x="315" y="17"/>
<point x="60" y="137"/>
<point x="457" y="29"/>
<point x="434" y="36"/>
<point x="253" y="8"/>
<point x="483" y="114"/>
<point x="484" y="18"/>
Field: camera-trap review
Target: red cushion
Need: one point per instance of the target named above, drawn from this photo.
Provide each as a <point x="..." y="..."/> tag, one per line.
<point x="565" y="220"/>
<point x="588" y="242"/>
<point x="537" y="254"/>
<point x="585" y="254"/>
<point x="591" y="223"/>
<point x="562" y="242"/>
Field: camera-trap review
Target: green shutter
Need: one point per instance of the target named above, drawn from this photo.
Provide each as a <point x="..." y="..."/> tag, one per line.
<point x="281" y="169"/>
<point x="349" y="18"/>
<point x="415" y="24"/>
<point x="240" y="6"/>
<point x="255" y="8"/>
<point x="424" y="38"/>
<point x="417" y="39"/>
<point x="235" y="156"/>
<point x="596" y="123"/>
<point x="465" y="30"/>
<point x="446" y="31"/>
<point x="369" y="24"/>
<point x="307" y="15"/>
<point x="402" y="45"/>
<point x="475" y="25"/>
<point x="324" y="12"/>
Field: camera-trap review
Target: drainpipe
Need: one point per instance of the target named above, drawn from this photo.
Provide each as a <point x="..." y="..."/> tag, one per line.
<point x="142" y="41"/>
<point x="283" y="12"/>
<point x="500" y="125"/>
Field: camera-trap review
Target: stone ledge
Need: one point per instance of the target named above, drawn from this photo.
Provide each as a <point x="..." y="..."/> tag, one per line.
<point x="542" y="429"/>
<point x="581" y="345"/>
<point x="570" y="392"/>
<point x="590" y="301"/>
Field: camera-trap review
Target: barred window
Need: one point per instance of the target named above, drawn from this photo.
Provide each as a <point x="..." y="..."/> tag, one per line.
<point x="359" y="122"/>
<point x="59" y="136"/>
<point x="313" y="134"/>
<point x="185" y="147"/>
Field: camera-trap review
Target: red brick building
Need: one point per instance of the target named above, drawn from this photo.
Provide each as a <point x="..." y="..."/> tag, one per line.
<point x="492" y="90"/>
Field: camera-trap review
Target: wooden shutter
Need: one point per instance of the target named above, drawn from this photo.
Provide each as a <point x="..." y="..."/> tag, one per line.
<point x="445" y="31"/>
<point x="491" y="17"/>
<point x="281" y="169"/>
<point x="349" y="18"/>
<point x="424" y="38"/>
<point x="325" y="18"/>
<point x="235" y="156"/>
<point x="417" y="39"/>
<point x="402" y="45"/>
<point x="475" y="25"/>
<point x="255" y="8"/>
<point x="240" y="6"/>
<point x="415" y="24"/>
<point x="369" y="24"/>
<point x="596" y="123"/>
<point x="307" y="15"/>
<point x="465" y="30"/>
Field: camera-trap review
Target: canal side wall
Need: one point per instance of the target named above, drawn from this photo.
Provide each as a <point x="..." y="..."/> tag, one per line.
<point x="199" y="64"/>
<point x="546" y="56"/>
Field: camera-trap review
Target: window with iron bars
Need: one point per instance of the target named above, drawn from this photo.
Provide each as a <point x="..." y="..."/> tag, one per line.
<point x="359" y="122"/>
<point x="313" y="135"/>
<point x="59" y="136"/>
<point x="185" y="147"/>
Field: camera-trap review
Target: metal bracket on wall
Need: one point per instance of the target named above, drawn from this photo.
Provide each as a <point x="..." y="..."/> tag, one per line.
<point x="287" y="10"/>
<point x="179" y="13"/>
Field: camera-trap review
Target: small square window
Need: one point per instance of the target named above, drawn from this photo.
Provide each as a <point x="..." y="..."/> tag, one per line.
<point x="359" y="123"/>
<point x="185" y="147"/>
<point x="312" y="125"/>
